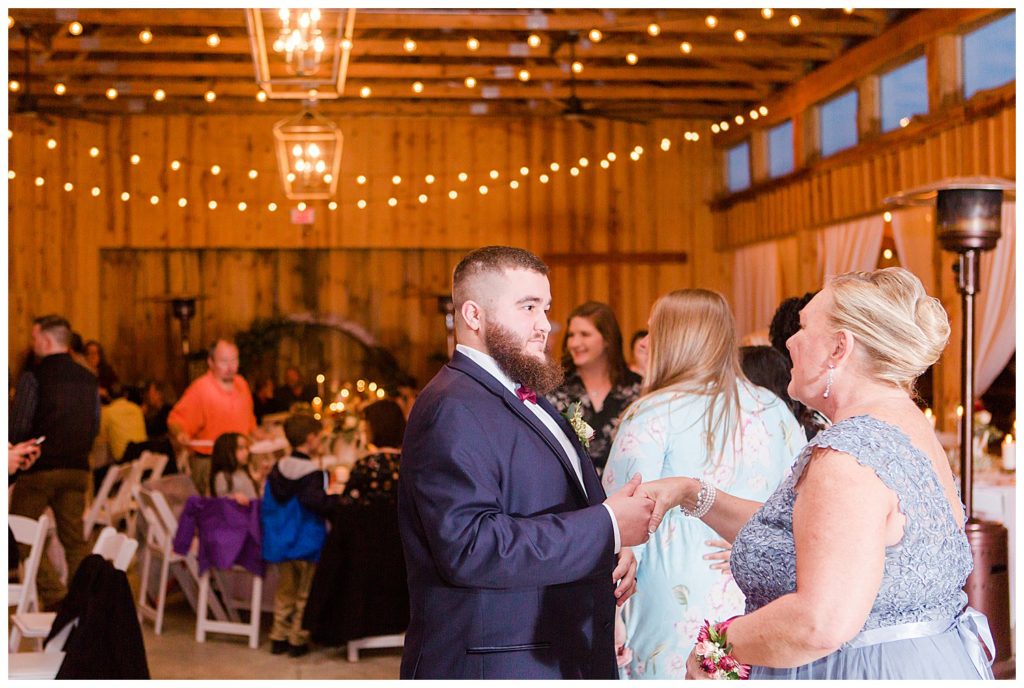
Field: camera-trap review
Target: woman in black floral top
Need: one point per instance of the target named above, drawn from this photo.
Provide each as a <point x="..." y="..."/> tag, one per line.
<point x="596" y="375"/>
<point x="375" y="476"/>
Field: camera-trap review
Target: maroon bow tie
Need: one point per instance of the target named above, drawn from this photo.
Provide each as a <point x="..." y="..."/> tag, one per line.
<point x="526" y="394"/>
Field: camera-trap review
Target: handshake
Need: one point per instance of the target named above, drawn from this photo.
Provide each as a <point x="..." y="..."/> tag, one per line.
<point x="639" y="508"/>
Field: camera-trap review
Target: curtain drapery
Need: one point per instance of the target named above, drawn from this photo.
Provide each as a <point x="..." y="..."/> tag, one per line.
<point x="757" y="286"/>
<point x="849" y="246"/>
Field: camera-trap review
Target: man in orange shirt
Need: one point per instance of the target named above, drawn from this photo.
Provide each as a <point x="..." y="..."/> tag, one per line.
<point x="217" y="402"/>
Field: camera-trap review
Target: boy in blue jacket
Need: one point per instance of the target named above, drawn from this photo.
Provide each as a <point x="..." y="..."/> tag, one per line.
<point x="295" y="507"/>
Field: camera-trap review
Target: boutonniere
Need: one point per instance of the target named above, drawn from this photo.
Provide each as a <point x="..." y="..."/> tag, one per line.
<point x="574" y="414"/>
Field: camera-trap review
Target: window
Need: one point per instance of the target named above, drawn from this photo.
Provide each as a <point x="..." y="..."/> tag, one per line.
<point x="737" y="163"/>
<point x="780" y="149"/>
<point x="989" y="54"/>
<point x="838" y="123"/>
<point x="904" y="94"/>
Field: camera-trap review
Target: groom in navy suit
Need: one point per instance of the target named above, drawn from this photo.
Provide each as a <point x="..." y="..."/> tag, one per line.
<point x="515" y="557"/>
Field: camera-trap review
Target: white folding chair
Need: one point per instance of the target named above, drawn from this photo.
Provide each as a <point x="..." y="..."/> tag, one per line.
<point x="113" y="502"/>
<point x="24" y="596"/>
<point x="205" y="624"/>
<point x="40" y="665"/>
<point x="113" y="546"/>
<point x="354" y="646"/>
<point x="160" y="525"/>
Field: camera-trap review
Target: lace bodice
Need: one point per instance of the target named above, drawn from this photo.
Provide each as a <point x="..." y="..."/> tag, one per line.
<point x="924" y="573"/>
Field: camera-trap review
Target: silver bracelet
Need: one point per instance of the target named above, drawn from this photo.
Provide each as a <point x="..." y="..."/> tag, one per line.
<point x="705" y="498"/>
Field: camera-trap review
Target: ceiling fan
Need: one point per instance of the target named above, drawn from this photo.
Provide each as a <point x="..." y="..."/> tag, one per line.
<point x="28" y="104"/>
<point x="573" y="107"/>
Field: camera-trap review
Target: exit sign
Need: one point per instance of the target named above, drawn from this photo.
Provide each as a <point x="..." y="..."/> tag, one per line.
<point x="302" y="217"/>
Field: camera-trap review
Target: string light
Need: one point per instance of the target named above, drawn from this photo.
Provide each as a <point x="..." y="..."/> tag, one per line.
<point x="794" y="20"/>
<point x="513" y="184"/>
<point x="584" y="162"/>
<point x="483" y="190"/>
<point x="40" y="181"/>
<point x="554" y="167"/>
<point x="694" y="136"/>
<point x="524" y="170"/>
<point x="429" y="179"/>
<point x="361" y="179"/>
<point x="261" y="96"/>
<point x="111" y="93"/>
<point x="242" y="206"/>
<point x="182" y="202"/>
<point x="605" y="164"/>
<point x="392" y="201"/>
<point x="665" y="144"/>
<point x="175" y="165"/>
<point x="453" y="194"/>
<point x="51" y="144"/>
<point x="887" y="254"/>
<point x="685" y="47"/>
<point x="544" y="179"/>
<point x="11" y="174"/>
<point x="634" y="155"/>
<point x="146" y="36"/>
<point x="631" y="58"/>
<point x="346" y="44"/>
<point x="213" y="40"/>
<point x="574" y="171"/>
<point x="364" y="92"/>
<point x="470" y="82"/>
<point x="95" y="191"/>
<point x="740" y="35"/>
<point x="739" y="119"/>
<point x="75" y="28"/>
<point x="68" y="186"/>
<point x="639" y="150"/>
<point x="159" y="95"/>
<point x="493" y="174"/>
<point x="215" y="170"/>
<point x="272" y="207"/>
<point x="711" y="21"/>
<point x="422" y="198"/>
<point x="653" y="29"/>
<point x="94" y="152"/>
<point x="333" y="205"/>
<point x="14" y="85"/>
<point x="763" y="110"/>
<point x="577" y="67"/>
<point x="472" y="43"/>
<point x="463" y="176"/>
<point x="253" y="174"/>
<point x="409" y="45"/>
<point x="210" y="96"/>
<point x="754" y="114"/>
<point x="596" y="35"/>
<point x="360" y="204"/>
<point x="611" y="156"/>
<point x="725" y="126"/>
<point x="417" y="87"/>
<point x="135" y="159"/>
<point x="59" y="88"/>
<point x="154" y="199"/>
<point x="212" y="205"/>
<point x="533" y="40"/>
<point x="396" y="180"/>
<point x="715" y="128"/>
<point x="887" y="216"/>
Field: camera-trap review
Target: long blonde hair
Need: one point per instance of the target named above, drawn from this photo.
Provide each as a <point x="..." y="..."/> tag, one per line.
<point x="692" y="345"/>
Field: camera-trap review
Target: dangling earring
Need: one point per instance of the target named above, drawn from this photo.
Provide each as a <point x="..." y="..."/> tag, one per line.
<point x="828" y="380"/>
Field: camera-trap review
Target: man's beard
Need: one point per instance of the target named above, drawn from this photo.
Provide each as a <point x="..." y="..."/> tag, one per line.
<point x="542" y="376"/>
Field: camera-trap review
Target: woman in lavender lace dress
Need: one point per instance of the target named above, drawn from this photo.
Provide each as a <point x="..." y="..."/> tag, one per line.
<point x="854" y="567"/>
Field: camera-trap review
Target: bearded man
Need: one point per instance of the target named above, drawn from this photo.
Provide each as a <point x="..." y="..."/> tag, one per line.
<point x="515" y="557"/>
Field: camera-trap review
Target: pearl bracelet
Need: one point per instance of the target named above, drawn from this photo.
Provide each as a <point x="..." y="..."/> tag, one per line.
<point x="705" y="498"/>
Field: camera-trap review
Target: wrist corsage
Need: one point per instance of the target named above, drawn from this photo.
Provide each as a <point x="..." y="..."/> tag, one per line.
<point x="574" y="414"/>
<point x="714" y="653"/>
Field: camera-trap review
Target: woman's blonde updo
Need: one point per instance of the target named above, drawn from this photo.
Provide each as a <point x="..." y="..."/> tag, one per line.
<point x="888" y="312"/>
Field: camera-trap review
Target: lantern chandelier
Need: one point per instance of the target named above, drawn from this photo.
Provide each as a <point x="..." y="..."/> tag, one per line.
<point x="309" y="55"/>
<point x="308" y="156"/>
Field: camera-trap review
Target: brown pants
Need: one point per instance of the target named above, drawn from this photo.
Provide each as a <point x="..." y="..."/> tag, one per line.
<point x="199" y="467"/>
<point x="295" y="578"/>
<point x="63" y="490"/>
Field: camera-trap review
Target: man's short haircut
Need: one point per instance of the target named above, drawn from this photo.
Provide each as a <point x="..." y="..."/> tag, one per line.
<point x="491" y="259"/>
<point x="299" y="426"/>
<point x="210" y="350"/>
<point x="57" y="327"/>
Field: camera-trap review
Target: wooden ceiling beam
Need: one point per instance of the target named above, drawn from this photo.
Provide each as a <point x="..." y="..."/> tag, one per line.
<point x="410" y="72"/>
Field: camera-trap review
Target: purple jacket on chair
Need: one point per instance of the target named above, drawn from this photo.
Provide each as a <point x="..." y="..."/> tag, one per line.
<point x="229" y="533"/>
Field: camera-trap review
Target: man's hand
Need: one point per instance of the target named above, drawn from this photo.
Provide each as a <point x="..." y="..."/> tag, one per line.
<point x="665" y="493"/>
<point x="624" y="576"/>
<point x="21" y="456"/>
<point x="632" y="513"/>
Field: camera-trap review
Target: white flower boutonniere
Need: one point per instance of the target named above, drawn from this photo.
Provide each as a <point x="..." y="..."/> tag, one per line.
<point x="574" y="414"/>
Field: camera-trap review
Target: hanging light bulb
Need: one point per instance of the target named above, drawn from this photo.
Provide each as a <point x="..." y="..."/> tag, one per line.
<point x="417" y="87"/>
<point x="685" y="47"/>
<point x="596" y="35"/>
<point x="111" y="93"/>
<point x="631" y="58"/>
<point x="470" y="82"/>
<point x="59" y="88"/>
<point x="272" y="206"/>
<point x="493" y="174"/>
<point x="739" y="119"/>
<point x="763" y="110"/>
<point x="513" y="184"/>
<point x="711" y="21"/>
<point x="422" y="198"/>
<point x="483" y="190"/>
<point x="68" y="186"/>
<point x="715" y="128"/>
<point x="213" y="40"/>
<point x="544" y="179"/>
<point x="524" y="170"/>
<point x="577" y="67"/>
<point x="794" y="20"/>
<point x="253" y="174"/>
<point x="333" y="205"/>
<point x="396" y="180"/>
<point x="212" y="205"/>
<point x="175" y="165"/>
<point x="360" y="204"/>
<point x="40" y="181"/>
<point x="453" y="194"/>
<point x="554" y="167"/>
<point x="182" y="202"/>
<point x="154" y="199"/>
<point x="653" y="29"/>
<point x="463" y="176"/>
<point x="210" y="96"/>
<point x="159" y="95"/>
<point x="584" y="162"/>
<point x="524" y="75"/>
<point x="51" y="144"/>
<point x="75" y="28"/>
<point x="364" y="92"/>
<point x="146" y="36"/>
<point x="392" y="201"/>
<point x="94" y="152"/>
<point x="14" y="85"/>
<point x="95" y="191"/>
<point x="605" y="164"/>
<point x="767" y="13"/>
<point x="611" y="157"/>
<point x="533" y="41"/>
<point x="361" y="179"/>
<point x="472" y="43"/>
<point x="242" y="206"/>
<point x="740" y="35"/>
<point x="409" y="45"/>
<point x="429" y="179"/>
<point x="135" y="159"/>
<point x="261" y="96"/>
<point x="125" y="196"/>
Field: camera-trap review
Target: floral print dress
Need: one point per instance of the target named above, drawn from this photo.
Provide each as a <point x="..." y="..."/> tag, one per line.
<point x="662" y="437"/>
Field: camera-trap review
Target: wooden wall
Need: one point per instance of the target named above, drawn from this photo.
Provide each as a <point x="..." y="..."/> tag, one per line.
<point x="98" y="259"/>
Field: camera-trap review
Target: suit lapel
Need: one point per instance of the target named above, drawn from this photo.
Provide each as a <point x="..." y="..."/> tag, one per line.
<point x="464" y="364"/>
<point x="591" y="479"/>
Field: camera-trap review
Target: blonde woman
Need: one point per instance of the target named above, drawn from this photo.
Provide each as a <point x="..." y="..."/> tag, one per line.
<point x="854" y="567"/>
<point x="697" y="415"/>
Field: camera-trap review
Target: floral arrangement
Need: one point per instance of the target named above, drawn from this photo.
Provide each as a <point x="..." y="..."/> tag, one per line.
<point x="714" y="653"/>
<point x="983" y="428"/>
<point x="574" y="414"/>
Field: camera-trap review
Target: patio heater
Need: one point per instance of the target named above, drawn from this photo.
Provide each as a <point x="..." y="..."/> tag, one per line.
<point x="968" y="218"/>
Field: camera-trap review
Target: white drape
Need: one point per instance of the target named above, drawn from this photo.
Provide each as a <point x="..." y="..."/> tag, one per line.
<point x="757" y="285"/>
<point x="913" y="230"/>
<point x="995" y="328"/>
<point x="849" y="246"/>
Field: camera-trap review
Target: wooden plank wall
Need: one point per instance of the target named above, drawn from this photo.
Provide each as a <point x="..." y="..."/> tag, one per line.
<point x="97" y="259"/>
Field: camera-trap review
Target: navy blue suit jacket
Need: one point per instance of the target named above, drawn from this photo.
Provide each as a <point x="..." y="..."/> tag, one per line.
<point x="509" y="561"/>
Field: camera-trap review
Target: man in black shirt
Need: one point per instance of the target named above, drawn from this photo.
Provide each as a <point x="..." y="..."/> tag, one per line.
<point x="58" y="399"/>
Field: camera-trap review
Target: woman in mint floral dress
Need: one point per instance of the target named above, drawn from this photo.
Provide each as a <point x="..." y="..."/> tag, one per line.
<point x="694" y="391"/>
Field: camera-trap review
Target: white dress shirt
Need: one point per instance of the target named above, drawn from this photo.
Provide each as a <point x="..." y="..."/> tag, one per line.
<point x="491" y="366"/>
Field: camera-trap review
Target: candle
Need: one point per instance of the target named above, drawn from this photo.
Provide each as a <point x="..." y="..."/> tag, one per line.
<point x="930" y="416"/>
<point x="320" y="385"/>
<point x="1009" y="453"/>
<point x="959" y="422"/>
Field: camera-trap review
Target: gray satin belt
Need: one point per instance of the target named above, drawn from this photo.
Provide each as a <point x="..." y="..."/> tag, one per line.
<point x="970" y="624"/>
